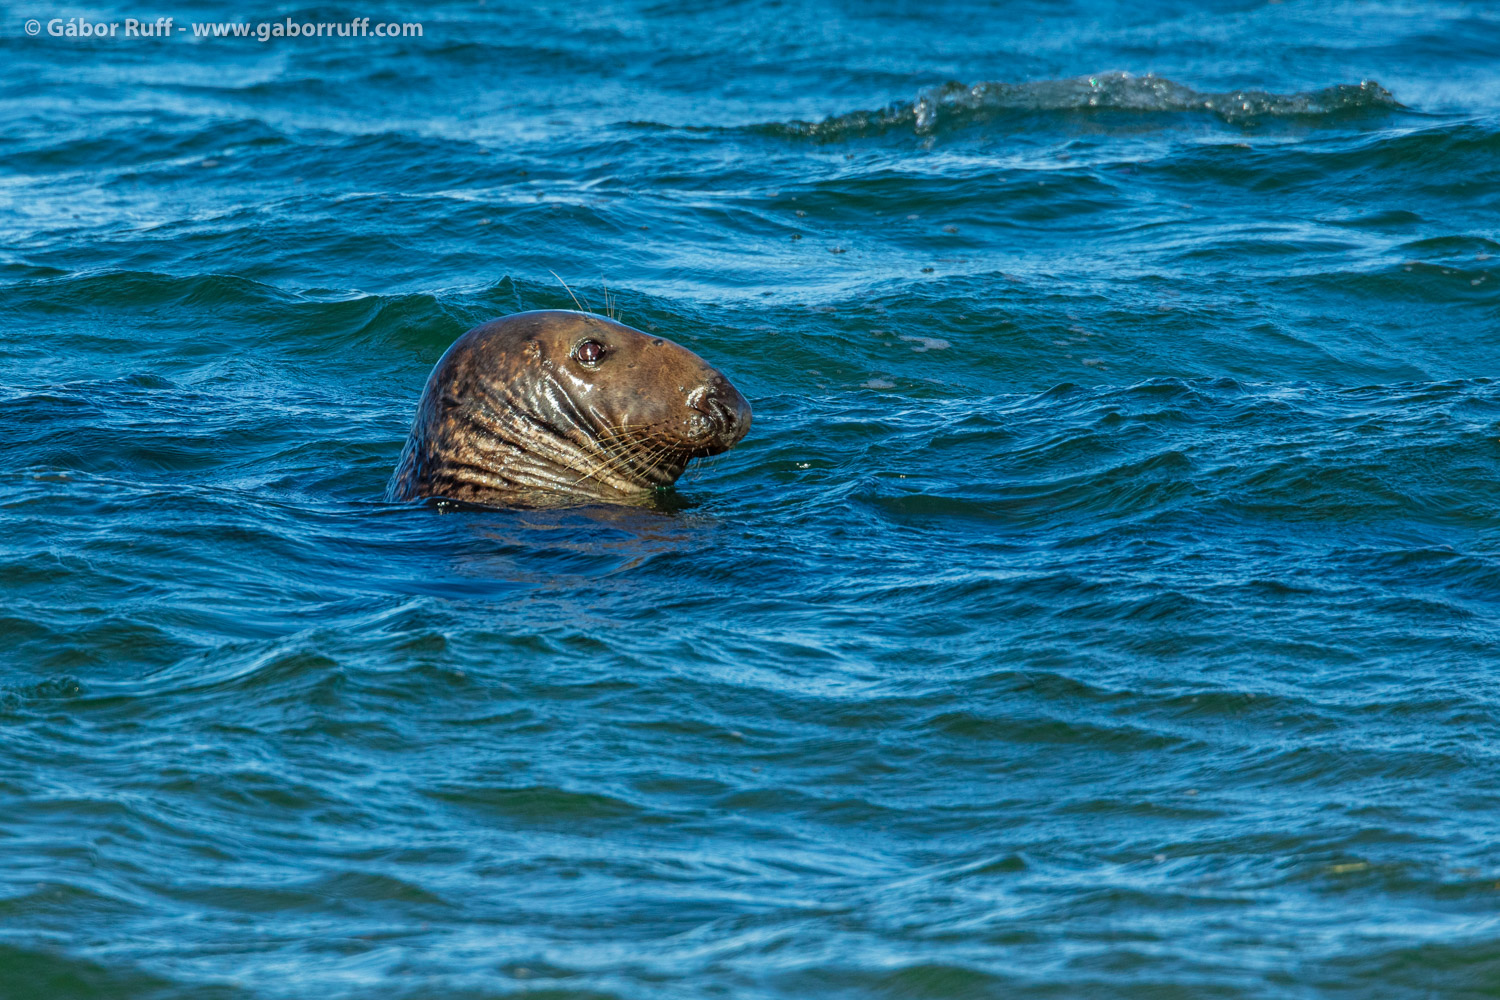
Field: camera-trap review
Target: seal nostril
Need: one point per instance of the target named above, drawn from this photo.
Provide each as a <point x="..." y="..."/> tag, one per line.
<point x="727" y="412"/>
<point x="707" y="401"/>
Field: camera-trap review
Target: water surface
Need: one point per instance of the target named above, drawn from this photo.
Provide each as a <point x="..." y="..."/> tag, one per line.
<point x="1102" y="605"/>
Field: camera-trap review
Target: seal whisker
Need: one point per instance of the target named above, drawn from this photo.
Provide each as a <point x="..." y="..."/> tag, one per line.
<point x="702" y="466"/>
<point x="657" y="459"/>
<point x="653" y="451"/>
<point x="566" y="289"/>
<point x="614" y="464"/>
<point x="613" y="461"/>
<point x="630" y="434"/>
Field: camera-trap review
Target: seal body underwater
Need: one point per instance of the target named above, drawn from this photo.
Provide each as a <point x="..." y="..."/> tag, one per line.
<point x="558" y="407"/>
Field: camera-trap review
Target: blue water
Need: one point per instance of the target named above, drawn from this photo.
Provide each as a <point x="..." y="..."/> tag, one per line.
<point x="1102" y="605"/>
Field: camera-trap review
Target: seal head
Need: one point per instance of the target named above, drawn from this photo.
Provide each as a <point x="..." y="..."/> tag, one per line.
<point x="550" y="407"/>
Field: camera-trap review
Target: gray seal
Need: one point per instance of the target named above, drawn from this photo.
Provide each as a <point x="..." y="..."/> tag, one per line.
<point x="558" y="407"/>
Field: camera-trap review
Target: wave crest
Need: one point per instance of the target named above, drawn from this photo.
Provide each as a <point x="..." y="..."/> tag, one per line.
<point x="957" y="104"/>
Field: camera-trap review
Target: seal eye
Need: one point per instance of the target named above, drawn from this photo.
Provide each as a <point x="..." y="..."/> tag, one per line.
<point x="590" y="352"/>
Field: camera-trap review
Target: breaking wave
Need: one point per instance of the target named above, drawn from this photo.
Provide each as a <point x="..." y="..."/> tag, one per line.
<point x="957" y="104"/>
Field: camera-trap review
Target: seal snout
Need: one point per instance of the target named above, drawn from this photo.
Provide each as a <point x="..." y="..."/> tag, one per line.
<point x="727" y="411"/>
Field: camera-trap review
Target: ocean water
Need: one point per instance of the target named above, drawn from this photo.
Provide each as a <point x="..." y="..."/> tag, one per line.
<point x="1102" y="605"/>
